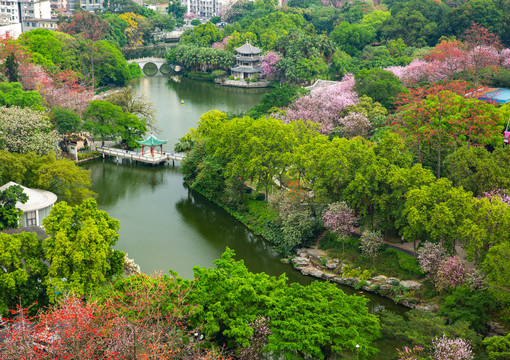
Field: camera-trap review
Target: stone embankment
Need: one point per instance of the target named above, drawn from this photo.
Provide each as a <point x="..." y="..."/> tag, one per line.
<point x="316" y="263"/>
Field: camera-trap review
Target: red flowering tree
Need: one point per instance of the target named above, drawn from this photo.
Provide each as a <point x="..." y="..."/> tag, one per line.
<point x="85" y="23"/>
<point x="439" y="123"/>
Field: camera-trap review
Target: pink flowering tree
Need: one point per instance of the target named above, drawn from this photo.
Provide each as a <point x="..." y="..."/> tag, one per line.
<point x="33" y="76"/>
<point x="340" y="219"/>
<point x="450" y="274"/>
<point x="451" y="349"/>
<point x="268" y="65"/>
<point x="500" y="194"/>
<point x="504" y="57"/>
<point x="258" y="339"/>
<point x="354" y="124"/>
<point x="324" y="105"/>
<point x="430" y="255"/>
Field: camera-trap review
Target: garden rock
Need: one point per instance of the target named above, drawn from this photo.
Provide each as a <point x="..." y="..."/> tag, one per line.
<point x="300" y="262"/>
<point x="332" y="264"/>
<point x="379" y="278"/>
<point x="411" y="284"/>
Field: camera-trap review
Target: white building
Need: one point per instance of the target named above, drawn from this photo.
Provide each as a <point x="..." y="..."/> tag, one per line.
<point x="88" y="5"/>
<point x="37" y="207"/>
<point x="203" y="9"/>
<point x="15" y="11"/>
<point x="48" y="24"/>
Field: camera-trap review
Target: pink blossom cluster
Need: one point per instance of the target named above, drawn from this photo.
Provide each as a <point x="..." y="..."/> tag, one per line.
<point x="421" y="70"/>
<point x="354" y="124"/>
<point x="483" y="56"/>
<point x="504" y="57"/>
<point x="408" y="353"/>
<point x="324" y="105"/>
<point x="221" y="44"/>
<point x="258" y="340"/>
<point x="430" y="255"/>
<point x="450" y="274"/>
<point x="500" y="194"/>
<point x="339" y="218"/>
<point x="33" y="76"/>
<point x="268" y="64"/>
<point x="451" y="349"/>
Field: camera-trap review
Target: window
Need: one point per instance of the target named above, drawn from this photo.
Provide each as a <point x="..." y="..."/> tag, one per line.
<point x="31" y="218"/>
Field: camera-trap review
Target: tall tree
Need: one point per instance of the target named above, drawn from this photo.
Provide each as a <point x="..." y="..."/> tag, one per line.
<point x="79" y="248"/>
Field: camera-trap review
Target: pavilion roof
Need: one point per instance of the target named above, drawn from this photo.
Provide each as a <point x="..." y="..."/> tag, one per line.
<point x="151" y="141"/>
<point x="247" y="49"/>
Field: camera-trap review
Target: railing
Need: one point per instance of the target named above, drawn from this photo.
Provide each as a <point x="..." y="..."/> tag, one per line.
<point x="147" y="157"/>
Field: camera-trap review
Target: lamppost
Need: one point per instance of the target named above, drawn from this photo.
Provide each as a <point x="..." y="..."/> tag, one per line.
<point x="357" y="349"/>
<point x="198" y="337"/>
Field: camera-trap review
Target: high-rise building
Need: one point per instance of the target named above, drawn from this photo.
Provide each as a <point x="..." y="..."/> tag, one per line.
<point x="15" y="11"/>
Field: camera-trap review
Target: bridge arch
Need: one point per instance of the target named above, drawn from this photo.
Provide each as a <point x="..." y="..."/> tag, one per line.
<point x="151" y="66"/>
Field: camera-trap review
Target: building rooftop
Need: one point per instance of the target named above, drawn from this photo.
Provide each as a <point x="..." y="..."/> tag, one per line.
<point x="248" y="48"/>
<point x="37" y="199"/>
<point x="247" y="69"/>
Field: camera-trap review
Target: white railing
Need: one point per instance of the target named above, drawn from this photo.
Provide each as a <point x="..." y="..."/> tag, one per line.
<point x="146" y="157"/>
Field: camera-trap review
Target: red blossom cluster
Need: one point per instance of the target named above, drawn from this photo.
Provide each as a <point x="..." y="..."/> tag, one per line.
<point x="143" y="317"/>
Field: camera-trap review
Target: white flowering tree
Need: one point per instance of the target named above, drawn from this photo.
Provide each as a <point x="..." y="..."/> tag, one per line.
<point x="25" y="130"/>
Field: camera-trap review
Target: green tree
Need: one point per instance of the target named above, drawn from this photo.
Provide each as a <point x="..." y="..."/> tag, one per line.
<point x="101" y="119"/>
<point x="64" y="178"/>
<point x="352" y="38"/>
<point x="132" y="129"/>
<point x="79" y="248"/>
<point x="412" y="27"/>
<point x="469" y="306"/>
<point x="43" y="46"/>
<point x="61" y="176"/>
<point x="477" y="170"/>
<point x="498" y="347"/>
<point x="109" y="66"/>
<point x="133" y="103"/>
<point x="10" y="216"/>
<point x="436" y="212"/>
<point x="12" y="94"/>
<point x="380" y="85"/>
<point x="177" y="10"/>
<point x="418" y="327"/>
<point x="313" y="321"/>
<point x="66" y="121"/>
<point x="22" y="272"/>
<point x="11" y="68"/>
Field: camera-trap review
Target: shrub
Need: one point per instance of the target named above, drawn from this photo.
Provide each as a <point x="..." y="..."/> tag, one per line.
<point x="218" y="73"/>
<point x="195" y="22"/>
<point x="231" y="77"/>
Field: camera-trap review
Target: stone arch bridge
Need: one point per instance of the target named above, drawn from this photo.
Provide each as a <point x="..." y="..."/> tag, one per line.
<point x="152" y="65"/>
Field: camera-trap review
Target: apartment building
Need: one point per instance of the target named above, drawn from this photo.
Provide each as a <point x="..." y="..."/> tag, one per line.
<point x="15" y="11"/>
<point x="203" y="9"/>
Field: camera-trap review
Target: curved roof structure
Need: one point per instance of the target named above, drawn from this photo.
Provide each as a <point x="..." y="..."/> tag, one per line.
<point x="248" y="48"/>
<point x="151" y="141"/>
<point x="37" y="199"/>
